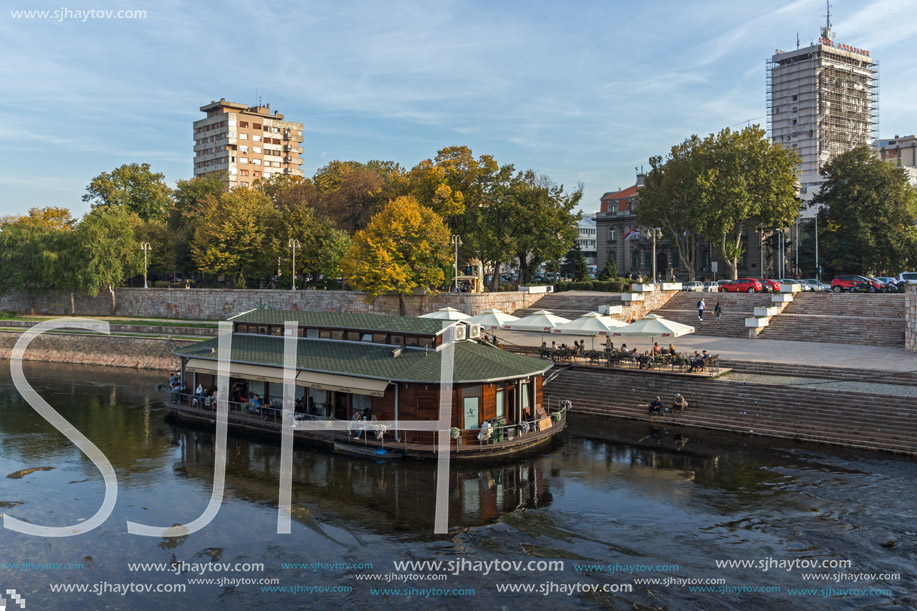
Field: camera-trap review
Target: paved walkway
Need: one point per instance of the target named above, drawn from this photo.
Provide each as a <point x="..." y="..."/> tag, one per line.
<point x="769" y="351"/>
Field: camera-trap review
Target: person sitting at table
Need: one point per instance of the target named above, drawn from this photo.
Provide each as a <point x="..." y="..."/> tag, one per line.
<point x="680" y="403"/>
<point x="695" y="361"/>
<point x="656" y="349"/>
<point x="672" y="349"/>
<point x="256" y="404"/>
<point x="199" y="391"/>
<point x="553" y="347"/>
<point x="655" y="407"/>
<point x="485" y="432"/>
<point x="353" y="429"/>
<point x="624" y="349"/>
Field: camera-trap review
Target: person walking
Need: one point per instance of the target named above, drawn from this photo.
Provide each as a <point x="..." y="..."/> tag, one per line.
<point x="718" y="310"/>
<point x="701" y="306"/>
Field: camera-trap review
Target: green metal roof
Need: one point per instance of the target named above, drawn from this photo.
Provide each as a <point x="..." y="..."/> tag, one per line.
<point x="473" y="362"/>
<point x="344" y="320"/>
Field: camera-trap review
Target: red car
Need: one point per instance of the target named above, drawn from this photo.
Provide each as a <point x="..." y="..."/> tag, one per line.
<point x="771" y="286"/>
<point x="742" y="285"/>
<point x="854" y="283"/>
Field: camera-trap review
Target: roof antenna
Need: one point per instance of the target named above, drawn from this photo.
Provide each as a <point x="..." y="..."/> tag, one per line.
<point x="797" y="40"/>
<point x="826" y="31"/>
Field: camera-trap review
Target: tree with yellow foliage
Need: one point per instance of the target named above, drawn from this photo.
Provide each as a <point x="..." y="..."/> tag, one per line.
<point x="405" y="246"/>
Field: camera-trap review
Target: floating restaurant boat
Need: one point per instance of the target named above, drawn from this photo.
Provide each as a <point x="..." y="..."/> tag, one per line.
<point x="370" y="385"/>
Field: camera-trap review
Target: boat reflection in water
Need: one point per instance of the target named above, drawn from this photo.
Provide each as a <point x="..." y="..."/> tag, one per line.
<point x="382" y="496"/>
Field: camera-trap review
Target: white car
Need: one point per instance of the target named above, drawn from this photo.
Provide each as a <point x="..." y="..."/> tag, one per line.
<point x="711" y="287"/>
<point x="692" y="286"/>
<point x="804" y="286"/>
<point x="817" y="285"/>
<point x="909" y="277"/>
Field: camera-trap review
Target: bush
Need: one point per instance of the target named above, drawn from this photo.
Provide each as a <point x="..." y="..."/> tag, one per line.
<point x="4" y="314"/>
<point x="161" y="284"/>
<point x="616" y="286"/>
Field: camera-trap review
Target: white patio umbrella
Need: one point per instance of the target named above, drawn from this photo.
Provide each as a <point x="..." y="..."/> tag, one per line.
<point x="653" y="326"/>
<point x="542" y="321"/>
<point x="446" y="314"/>
<point x="591" y="324"/>
<point x="491" y="319"/>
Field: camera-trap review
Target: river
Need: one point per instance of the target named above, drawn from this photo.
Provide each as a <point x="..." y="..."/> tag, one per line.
<point x="608" y="507"/>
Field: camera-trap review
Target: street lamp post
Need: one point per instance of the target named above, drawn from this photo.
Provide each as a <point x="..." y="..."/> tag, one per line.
<point x="456" y="241"/>
<point x="655" y="234"/>
<point x="781" y="246"/>
<point x="294" y="244"/>
<point x="145" y="247"/>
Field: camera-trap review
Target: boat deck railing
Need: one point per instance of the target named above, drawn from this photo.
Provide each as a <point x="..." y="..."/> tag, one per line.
<point x="375" y="434"/>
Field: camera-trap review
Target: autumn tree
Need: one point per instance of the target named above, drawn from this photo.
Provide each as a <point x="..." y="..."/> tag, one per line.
<point x="190" y="200"/>
<point x="232" y="237"/>
<point x="405" y="246"/>
<point x="132" y="186"/>
<point x="868" y="215"/>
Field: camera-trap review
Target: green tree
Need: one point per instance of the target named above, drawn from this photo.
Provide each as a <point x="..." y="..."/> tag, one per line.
<point x="747" y="182"/>
<point x="134" y="187"/>
<point x="232" y="237"/>
<point x="711" y="190"/>
<point x="405" y="246"/>
<point x="27" y="258"/>
<point x="867" y="222"/>
<point x="575" y="264"/>
<point x="610" y="270"/>
<point x="539" y="221"/>
<point x="190" y="201"/>
<point x="332" y="254"/>
<point x="110" y="252"/>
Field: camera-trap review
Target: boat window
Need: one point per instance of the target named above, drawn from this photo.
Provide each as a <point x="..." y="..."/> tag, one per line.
<point x="276" y="330"/>
<point x="425" y="342"/>
<point x="312" y="333"/>
<point x="301" y="331"/>
<point x="501" y="403"/>
<point x="410" y="340"/>
<point x="337" y="334"/>
<point x="325" y="333"/>
<point x="525" y="394"/>
<point x="242" y="328"/>
<point x="262" y="329"/>
<point x="366" y="337"/>
<point x="380" y="338"/>
<point x="353" y="336"/>
<point x="397" y="339"/>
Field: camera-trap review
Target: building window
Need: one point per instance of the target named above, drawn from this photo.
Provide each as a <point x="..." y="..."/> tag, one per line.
<point x="634" y="260"/>
<point x="256" y="138"/>
<point x="243" y="124"/>
<point x="243" y="136"/>
<point x="501" y="403"/>
<point x="648" y="260"/>
<point x="611" y="234"/>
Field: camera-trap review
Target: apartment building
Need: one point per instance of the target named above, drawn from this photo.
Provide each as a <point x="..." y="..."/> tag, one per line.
<point x="246" y="143"/>
<point x="901" y="151"/>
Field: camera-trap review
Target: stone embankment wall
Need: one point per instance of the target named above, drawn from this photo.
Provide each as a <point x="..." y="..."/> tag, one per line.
<point x="910" y="317"/>
<point x="135" y="352"/>
<point x="219" y="304"/>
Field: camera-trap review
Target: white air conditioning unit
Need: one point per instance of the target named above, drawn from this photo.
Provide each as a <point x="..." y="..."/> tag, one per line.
<point x="461" y="332"/>
<point x="474" y="331"/>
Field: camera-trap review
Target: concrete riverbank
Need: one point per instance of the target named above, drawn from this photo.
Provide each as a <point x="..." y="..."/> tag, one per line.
<point x="86" y="349"/>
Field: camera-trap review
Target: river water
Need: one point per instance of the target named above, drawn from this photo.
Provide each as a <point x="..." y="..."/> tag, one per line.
<point x="617" y="504"/>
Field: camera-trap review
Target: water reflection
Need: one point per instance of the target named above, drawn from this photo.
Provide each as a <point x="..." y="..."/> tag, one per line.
<point x="384" y="496"/>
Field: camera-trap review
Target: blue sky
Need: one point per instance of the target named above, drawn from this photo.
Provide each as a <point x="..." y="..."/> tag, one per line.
<point x="579" y="91"/>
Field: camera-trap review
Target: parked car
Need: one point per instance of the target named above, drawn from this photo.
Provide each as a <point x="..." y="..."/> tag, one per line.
<point x="711" y="287"/>
<point x="855" y="284"/>
<point x="742" y="285"/>
<point x="817" y="285"/>
<point x="770" y="286"/>
<point x="723" y="281"/>
<point x="891" y="284"/>
<point x="909" y="277"/>
<point x="802" y="285"/>
<point x="692" y="286"/>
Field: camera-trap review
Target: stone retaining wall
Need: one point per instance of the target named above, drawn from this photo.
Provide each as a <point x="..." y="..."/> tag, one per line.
<point x="219" y="304"/>
<point x="135" y="352"/>
<point x="910" y="318"/>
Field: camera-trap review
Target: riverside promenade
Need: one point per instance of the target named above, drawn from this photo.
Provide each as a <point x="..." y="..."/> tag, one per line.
<point x="845" y="395"/>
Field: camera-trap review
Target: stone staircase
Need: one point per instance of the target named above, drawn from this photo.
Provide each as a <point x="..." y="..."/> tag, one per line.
<point x="845" y="318"/>
<point x="870" y="374"/>
<point x="736" y="306"/>
<point x="860" y="420"/>
<point x="571" y="304"/>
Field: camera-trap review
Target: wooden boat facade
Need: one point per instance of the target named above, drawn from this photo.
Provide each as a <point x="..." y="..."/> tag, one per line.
<point x="386" y="370"/>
